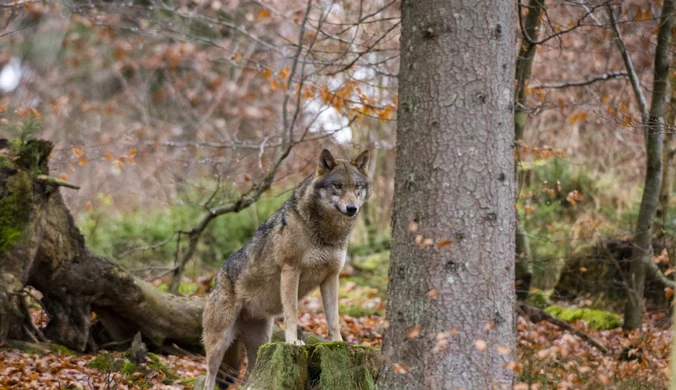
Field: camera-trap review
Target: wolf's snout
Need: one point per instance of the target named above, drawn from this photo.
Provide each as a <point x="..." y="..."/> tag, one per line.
<point x="351" y="209"/>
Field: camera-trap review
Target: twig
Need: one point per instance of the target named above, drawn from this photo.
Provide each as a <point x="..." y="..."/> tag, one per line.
<point x="148" y="248"/>
<point x="536" y="315"/>
<point x="288" y="131"/>
<point x="580" y="83"/>
<point x="55" y="182"/>
<point x="18" y="29"/>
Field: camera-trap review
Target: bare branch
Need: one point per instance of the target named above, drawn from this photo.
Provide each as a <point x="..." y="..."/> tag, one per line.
<point x="581" y="83"/>
<point x="633" y="77"/>
<point x="536" y="315"/>
<point x="18" y="29"/>
<point x="285" y="112"/>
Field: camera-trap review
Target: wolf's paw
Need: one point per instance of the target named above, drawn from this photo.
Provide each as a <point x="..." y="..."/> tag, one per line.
<point x="297" y="342"/>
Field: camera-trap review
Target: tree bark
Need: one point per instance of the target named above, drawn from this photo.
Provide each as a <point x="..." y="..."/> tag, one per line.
<point x="524" y="65"/>
<point x="450" y="294"/>
<point x="668" y="152"/>
<point x="654" y="138"/>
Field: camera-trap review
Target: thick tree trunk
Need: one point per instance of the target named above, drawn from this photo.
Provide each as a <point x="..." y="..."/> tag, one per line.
<point x="451" y="295"/>
<point x="524" y="65"/>
<point x="654" y="136"/>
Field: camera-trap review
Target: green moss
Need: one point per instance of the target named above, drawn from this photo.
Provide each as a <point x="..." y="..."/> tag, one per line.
<point x="597" y="319"/>
<point x="329" y="366"/>
<point x="281" y="366"/>
<point x="15" y="209"/>
<point x="128" y="367"/>
<point x="539" y="298"/>
<point x="106" y="362"/>
<point x="156" y="364"/>
<point x="61" y="350"/>
<point x="336" y="365"/>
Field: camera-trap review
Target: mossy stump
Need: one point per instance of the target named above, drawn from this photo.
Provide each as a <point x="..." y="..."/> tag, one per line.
<point x="326" y="366"/>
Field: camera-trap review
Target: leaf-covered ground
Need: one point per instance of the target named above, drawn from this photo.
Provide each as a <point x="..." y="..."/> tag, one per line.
<point x="547" y="357"/>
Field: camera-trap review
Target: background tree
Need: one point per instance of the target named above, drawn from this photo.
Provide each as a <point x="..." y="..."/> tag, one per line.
<point x="450" y="296"/>
<point x="524" y="65"/>
<point x="653" y="123"/>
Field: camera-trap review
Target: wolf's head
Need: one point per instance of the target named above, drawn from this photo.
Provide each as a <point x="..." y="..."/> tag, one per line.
<point x="342" y="186"/>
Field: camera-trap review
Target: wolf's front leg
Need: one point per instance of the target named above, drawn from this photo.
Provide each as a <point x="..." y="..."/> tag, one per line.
<point x="329" y="289"/>
<point x="289" y="291"/>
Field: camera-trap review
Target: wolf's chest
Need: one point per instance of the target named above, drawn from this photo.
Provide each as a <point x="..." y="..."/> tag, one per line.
<point x="316" y="266"/>
<point x="330" y="260"/>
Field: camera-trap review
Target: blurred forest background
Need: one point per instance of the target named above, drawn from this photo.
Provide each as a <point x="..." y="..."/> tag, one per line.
<point x="186" y="123"/>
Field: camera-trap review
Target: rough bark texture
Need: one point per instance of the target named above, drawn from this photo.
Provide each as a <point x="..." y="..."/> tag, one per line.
<point x="654" y="136"/>
<point x="662" y="214"/>
<point x="672" y="361"/>
<point x="524" y="65"/>
<point x="454" y="181"/>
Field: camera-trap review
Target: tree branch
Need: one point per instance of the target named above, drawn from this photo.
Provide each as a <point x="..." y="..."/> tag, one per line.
<point x="631" y="71"/>
<point x="581" y="83"/>
<point x="536" y="315"/>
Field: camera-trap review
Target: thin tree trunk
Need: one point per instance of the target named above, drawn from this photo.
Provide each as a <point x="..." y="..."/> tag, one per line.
<point x="667" y="155"/>
<point x="672" y="361"/>
<point x="450" y="294"/>
<point x="654" y="136"/>
<point x="524" y="65"/>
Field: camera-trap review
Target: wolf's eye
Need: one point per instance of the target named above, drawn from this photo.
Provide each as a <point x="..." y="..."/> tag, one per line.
<point x="337" y="186"/>
<point x="357" y="186"/>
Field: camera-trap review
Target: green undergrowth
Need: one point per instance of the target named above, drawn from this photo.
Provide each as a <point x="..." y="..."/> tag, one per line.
<point x="597" y="319"/>
<point x="364" y="293"/>
<point x="124" y="237"/>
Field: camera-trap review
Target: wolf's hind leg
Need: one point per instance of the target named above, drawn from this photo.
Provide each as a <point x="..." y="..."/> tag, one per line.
<point x="220" y="314"/>
<point x="232" y="361"/>
<point x="254" y="333"/>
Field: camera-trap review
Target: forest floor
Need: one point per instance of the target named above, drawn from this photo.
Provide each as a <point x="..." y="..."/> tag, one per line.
<point x="547" y="357"/>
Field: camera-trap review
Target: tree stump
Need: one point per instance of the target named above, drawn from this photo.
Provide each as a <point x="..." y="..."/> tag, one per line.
<point x="326" y="366"/>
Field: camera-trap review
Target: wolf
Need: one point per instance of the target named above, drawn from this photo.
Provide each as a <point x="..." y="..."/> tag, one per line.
<point x="300" y="247"/>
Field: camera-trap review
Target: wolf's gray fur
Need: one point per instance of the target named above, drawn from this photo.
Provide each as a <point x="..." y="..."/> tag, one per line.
<point x="300" y="247"/>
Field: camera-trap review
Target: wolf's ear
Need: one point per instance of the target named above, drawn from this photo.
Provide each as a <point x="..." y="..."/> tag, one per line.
<point x="362" y="161"/>
<point x="326" y="162"/>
